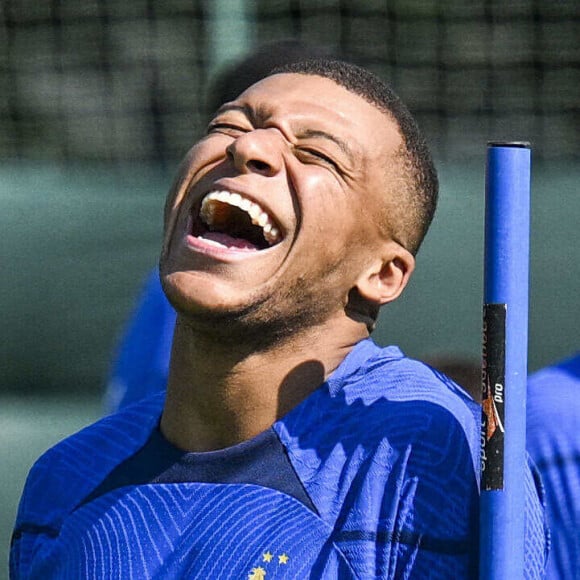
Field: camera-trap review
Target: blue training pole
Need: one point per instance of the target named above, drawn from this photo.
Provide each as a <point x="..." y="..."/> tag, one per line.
<point x="505" y="355"/>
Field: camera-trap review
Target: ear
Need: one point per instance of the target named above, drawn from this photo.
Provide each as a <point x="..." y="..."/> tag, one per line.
<point x="386" y="278"/>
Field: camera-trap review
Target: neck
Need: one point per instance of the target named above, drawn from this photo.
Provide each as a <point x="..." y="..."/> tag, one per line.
<point x="220" y="394"/>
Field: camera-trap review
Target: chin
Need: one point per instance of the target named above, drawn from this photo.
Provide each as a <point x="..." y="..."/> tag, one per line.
<point x="259" y="320"/>
<point x="194" y="293"/>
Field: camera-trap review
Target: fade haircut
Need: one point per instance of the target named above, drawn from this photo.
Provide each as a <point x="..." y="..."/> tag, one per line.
<point x="411" y="205"/>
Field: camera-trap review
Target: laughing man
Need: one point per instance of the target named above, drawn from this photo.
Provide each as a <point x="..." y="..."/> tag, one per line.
<point x="289" y="444"/>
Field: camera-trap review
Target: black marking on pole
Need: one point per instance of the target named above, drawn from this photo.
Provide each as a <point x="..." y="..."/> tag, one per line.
<point x="493" y="397"/>
<point x="521" y="144"/>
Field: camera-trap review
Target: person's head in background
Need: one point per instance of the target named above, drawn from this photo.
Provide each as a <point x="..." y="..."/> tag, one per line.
<point x="237" y="76"/>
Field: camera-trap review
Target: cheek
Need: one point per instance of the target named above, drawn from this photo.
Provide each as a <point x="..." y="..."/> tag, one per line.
<point x="200" y="159"/>
<point x="346" y="240"/>
<point x="322" y="199"/>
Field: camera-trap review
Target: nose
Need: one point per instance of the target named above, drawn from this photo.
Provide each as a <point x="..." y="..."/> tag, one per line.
<point x="258" y="151"/>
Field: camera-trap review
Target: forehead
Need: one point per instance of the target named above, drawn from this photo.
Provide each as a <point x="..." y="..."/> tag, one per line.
<point x="306" y="101"/>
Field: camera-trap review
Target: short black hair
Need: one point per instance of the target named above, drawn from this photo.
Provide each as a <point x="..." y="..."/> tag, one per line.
<point x="410" y="209"/>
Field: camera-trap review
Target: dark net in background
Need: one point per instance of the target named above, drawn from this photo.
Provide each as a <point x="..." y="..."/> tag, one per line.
<point x="124" y="80"/>
<point x="100" y="99"/>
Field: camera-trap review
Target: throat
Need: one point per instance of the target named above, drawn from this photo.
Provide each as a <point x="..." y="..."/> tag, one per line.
<point x="216" y="400"/>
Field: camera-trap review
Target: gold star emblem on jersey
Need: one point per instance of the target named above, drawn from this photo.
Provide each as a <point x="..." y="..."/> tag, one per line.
<point x="257" y="573"/>
<point x="270" y="561"/>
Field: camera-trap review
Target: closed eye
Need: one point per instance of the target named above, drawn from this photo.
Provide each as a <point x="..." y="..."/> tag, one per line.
<point x="227" y="128"/>
<point x="318" y="155"/>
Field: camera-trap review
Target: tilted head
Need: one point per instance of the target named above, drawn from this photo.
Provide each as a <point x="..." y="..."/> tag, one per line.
<point x="304" y="204"/>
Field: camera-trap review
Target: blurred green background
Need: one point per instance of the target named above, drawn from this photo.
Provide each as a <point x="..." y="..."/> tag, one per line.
<point x="99" y="100"/>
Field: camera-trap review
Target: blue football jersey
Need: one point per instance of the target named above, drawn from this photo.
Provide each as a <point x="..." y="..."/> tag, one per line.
<point x="374" y="475"/>
<point x="553" y="441"/>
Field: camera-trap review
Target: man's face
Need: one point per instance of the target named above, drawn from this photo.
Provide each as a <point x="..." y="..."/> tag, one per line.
<point x="275" y="212"/>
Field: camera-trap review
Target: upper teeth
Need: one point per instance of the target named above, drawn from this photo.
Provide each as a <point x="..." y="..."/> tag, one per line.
<point x="258" y="216"/>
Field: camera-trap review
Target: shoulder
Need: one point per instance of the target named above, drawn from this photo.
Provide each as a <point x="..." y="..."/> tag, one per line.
<point x="552" y="419"/>
<point x="390" y="438"/>
<point x="379" y="398"/>
<point x="412" y="387"/>
<point x="553" y="393"/>
<point x="566" y="372"/>
<point x="67" y="472"/>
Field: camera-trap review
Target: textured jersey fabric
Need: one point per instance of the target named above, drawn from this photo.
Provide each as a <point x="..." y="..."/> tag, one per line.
<point x="141" y="361"/>
<point x="553" y="441"/>
<point x="386" y="452"/>
<point x="158" y="461"/>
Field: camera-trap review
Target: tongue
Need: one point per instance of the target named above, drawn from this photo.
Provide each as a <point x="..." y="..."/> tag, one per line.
<point x="228" y="241"/>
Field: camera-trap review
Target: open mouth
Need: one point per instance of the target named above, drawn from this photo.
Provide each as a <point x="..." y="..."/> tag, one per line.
<point x="230" y="220"/>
